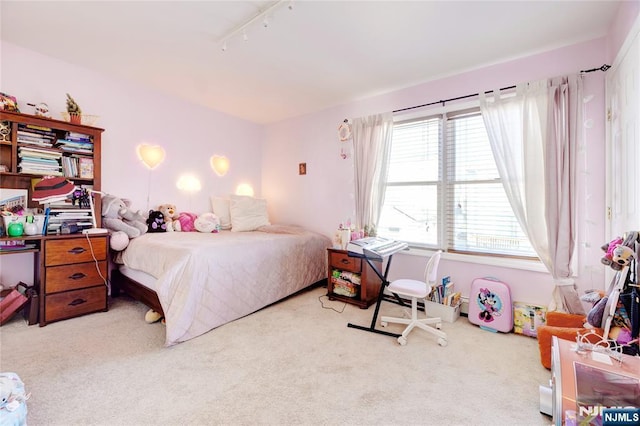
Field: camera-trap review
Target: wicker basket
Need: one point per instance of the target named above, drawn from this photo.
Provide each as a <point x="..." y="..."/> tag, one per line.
<point x="86" y="120"/>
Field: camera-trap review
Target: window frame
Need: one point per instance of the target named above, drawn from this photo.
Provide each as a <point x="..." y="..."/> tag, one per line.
<point x="443" y="185"/>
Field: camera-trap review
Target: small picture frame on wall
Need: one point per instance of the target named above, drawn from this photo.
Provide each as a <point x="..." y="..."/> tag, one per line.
<point x="302" y="168"/>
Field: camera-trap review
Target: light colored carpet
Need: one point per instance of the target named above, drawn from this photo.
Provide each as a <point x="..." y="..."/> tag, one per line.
<point x="291" y="363"/>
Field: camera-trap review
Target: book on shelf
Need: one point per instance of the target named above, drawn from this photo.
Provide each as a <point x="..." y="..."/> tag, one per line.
<point x="85" y="168"/>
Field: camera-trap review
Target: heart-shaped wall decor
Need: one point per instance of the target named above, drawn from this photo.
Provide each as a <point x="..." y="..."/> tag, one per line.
<point x="219" y="164"/>
<point x="150" y="155"/>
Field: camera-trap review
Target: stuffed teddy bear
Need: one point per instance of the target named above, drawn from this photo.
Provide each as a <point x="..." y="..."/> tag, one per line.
<point x="114" y="212"/>
<point x="187" y="221"/>
<point x="171" y="216"/>
<point x="155" y="222"/>
<point x="207" y="222"/>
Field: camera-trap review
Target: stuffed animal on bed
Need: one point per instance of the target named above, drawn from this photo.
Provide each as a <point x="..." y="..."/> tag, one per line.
<point x="121" y="221"/>
<point x="187" y="221"/>
<point x="171" y="217"/>
<point x="207" y="222"/>
<point x="155" y="222"/>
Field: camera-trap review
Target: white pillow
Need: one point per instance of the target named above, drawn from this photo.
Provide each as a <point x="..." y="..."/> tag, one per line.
<point x="220" y="208"/>
<point x="248" y="213"/>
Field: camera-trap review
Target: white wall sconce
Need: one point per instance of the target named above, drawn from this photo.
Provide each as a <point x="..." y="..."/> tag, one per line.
<point x="244" y="189"/>
<point x="219" y="164"/>
<point x="150" y="155"/>
<point x="188" y="183"/>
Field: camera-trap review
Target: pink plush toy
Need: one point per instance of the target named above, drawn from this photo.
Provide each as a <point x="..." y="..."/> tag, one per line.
<point x="607" y="259"/>
<point x="187" y="221"/>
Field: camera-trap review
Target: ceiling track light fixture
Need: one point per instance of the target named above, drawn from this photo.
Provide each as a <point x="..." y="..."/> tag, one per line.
<point x="260" y="16"/>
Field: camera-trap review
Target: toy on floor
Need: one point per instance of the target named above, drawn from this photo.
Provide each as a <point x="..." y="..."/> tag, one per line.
<point x="152" y="316"/>
<point x="13" y="400"/>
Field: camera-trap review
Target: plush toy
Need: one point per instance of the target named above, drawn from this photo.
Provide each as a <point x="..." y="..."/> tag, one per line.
<point x="607" y="259"/>
<point x="152" y="316"/>
<point x="170" y="217"/>
<point x="155" y="222"/>
<point x="187" y="221"/>
<point x="114" y="212"/>
<point x="622" y="255"/>
<point x="207" y="222"/>
<point x="13" y="407"/>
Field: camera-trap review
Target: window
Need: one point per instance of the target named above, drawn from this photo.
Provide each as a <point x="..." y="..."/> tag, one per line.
<point x="444" y="191"/>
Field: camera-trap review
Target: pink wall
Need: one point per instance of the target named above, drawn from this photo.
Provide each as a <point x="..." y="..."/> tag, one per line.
<point x="132" y="114"/>
<point x="627" y="15"/>
<point x="324" y="197"/>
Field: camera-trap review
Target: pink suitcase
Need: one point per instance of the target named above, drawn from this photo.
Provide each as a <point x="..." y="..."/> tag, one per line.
<point x="490" y="305"/>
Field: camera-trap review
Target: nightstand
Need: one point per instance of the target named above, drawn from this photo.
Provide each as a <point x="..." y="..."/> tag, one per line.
<point x="75" y="276"/>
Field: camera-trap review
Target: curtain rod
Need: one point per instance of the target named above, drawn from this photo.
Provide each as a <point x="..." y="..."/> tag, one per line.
<point x="604" y="67"/>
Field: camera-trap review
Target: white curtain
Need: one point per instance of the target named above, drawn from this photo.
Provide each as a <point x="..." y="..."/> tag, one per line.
<point x="371" y="147"/>
<point x="534" y="136"/>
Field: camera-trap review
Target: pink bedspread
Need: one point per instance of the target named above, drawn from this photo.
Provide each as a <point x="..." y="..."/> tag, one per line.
<point x="207" y="280"/>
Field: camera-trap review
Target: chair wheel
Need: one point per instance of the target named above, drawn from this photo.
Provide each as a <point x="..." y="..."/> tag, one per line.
<point x="439" y="325"/>
<point x="442" y="342"/>
<point x="402" y="340"/>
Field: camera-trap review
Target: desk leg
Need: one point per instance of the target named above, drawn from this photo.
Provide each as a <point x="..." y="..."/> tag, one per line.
<point x="372" y="328"/>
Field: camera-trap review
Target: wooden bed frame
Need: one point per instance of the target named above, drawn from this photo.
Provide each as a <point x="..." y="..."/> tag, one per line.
<point x="122" y="283"/>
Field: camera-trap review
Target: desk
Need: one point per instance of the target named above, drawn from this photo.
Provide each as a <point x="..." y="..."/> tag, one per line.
<point x="563" y="378"/>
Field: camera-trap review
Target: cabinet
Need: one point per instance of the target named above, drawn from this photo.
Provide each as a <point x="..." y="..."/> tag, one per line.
<point x="70" y="271"/>
<point x="74" y="277"/>
<point x="344" y="287"/>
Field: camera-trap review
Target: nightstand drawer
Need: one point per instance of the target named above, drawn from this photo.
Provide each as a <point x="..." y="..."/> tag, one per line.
<point x="73" y="303"/>
<point x="74" y="250"/>
<point x="344" y="262"/>
<point x="74" y="276"/>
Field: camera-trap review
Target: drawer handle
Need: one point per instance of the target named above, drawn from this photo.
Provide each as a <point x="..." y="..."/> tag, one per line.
<point x="77" y="276"/>
<point x="77" y="302"/>
<point x="77" y="250"/>
<point x="345" y="261"/>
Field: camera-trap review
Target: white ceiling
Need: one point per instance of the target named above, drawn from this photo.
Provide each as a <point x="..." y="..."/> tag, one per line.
<point x="316" y="55"/>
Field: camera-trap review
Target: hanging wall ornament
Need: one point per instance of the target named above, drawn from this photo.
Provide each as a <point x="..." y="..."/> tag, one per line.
<point x="344" y="131"/>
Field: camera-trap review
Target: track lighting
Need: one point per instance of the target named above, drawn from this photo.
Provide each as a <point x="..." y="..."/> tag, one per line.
<point x="260" y="16"/>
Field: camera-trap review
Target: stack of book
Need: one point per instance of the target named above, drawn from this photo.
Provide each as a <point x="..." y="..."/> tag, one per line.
<point x="77" y="167"/>
<point x="67" y="220"/>
<point x="36" y="135"/>
<point x="39" y="161"/>
<point x="445" y="293"/>
<point x="76" y="142"/>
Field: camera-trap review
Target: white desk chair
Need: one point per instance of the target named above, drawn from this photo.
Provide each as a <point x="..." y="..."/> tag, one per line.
<point x="416" y="289"/>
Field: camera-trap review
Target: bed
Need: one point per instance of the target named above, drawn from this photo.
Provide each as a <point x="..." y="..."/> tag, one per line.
<point x="200" y="281"/>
